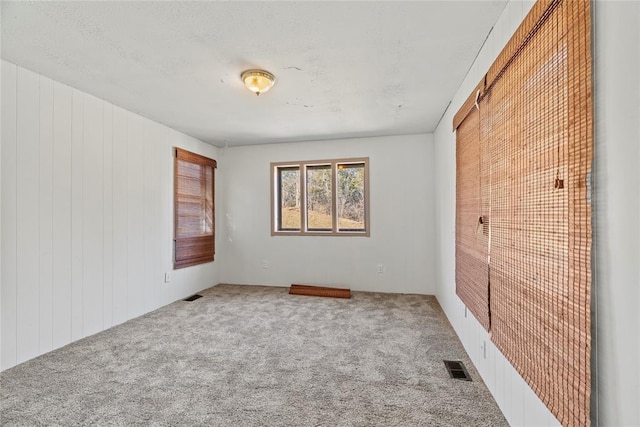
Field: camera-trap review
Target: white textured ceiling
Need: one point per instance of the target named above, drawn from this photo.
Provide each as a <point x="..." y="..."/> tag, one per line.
<point x="343" y="69"/>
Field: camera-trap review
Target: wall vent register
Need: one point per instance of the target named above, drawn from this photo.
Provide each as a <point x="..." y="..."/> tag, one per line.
<point x="457" y="370"/>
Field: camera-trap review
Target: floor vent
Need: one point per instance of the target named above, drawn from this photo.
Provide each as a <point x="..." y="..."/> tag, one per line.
<point x="457" y="370"/>
<point x="193" y="298"/>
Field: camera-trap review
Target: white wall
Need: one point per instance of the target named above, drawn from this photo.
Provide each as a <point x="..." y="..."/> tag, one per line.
<point x="617" y="252"/>
<point x="86" y="215"/>
<point x="617" y="231"/>
<point x="402" y="219"/>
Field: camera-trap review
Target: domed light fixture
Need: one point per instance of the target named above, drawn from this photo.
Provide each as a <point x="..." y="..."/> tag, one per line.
<point x="258" y="81"/>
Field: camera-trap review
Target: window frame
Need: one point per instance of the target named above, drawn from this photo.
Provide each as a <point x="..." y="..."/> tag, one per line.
<point x="302" y="167"/>
<point x="198" y="249"/>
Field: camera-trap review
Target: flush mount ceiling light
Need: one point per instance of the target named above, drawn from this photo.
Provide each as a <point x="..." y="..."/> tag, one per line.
<point x="258" y="81"/>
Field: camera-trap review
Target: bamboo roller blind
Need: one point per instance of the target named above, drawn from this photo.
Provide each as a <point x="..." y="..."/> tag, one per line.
<point x="471" y="225"/>
<point x="534" y="133"/>
<point x="194" y="209"/>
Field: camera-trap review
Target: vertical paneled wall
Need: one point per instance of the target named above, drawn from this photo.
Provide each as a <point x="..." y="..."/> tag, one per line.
<point x="617" y="202"/>
<point x="86" y="215"/>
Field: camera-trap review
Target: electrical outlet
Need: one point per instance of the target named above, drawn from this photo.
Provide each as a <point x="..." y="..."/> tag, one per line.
<point x="265" y="264"/>
<point x="380" y="268"/>
<point x="167" y="277"/>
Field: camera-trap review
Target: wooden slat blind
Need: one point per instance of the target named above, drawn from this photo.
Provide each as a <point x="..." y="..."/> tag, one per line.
<point x="471" y="226"/>
<point x="194" y="209"/>
<point x="536" y="126"/>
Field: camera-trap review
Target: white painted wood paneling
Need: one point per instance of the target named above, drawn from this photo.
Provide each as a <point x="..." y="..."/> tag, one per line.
<point x="28" y="221"/>
<point x="617" y="202"/>
<point x="135" y="217"/>
<point x="159" y="267"/>
<point x="166" y="182"/>
<point x="46" y="215"/>
<point x="165" y="161"/>
<point x="152" y="271"/>
<point x="107" y="156"/>
<point x="77" y="185"/>
<point x="9" y="236"/>
<point x="92" y="216"/>
<point x="62" y="137"/>
<point x="86" y="215"/>
<point x="120" y="215"/>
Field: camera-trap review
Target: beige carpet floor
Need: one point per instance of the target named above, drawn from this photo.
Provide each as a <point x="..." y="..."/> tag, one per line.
<point x="257" y="356"/>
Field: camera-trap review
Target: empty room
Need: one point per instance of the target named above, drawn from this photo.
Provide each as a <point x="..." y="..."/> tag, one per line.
<point x="320" y="213"/>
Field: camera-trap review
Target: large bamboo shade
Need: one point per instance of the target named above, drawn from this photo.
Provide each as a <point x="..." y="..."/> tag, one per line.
<point x="194" y="209"/>
<point x="535" y="129"/>
<point x="472" y="274"/>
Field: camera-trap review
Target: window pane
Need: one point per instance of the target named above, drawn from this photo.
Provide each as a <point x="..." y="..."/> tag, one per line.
<point x="194" y="219"/>
<point x="319" y="215"/>
<point x="289" y="198"/>
<point x="194" y="200"/>
<point x="208" y="201"/>
<point x="351" y="201"/>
